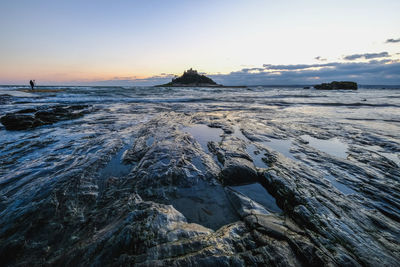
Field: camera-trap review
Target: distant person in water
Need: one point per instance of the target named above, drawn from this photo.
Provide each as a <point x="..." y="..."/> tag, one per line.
<point x="32" y="83"/>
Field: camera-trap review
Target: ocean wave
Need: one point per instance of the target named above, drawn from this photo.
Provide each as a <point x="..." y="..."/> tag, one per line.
<point x="369" y="119"/>
<point x="16" y="93"/>
<point x="332" y="104"/>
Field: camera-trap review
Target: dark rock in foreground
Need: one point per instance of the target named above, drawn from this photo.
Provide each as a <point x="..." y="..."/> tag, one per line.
<point x="337" y="86"/>
<point x="33" y="117"/>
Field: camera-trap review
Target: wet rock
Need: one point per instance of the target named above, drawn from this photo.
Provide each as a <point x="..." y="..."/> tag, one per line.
<point x="173" y="209"/>
<point x="144" y="233"/>
<point x="311" y="206"/>
<point x="27" y="110"/>
<point x="226" y="128"/>
<point x="237" y="165"/>
<point x="58" y="113"/>
<point x="269" y="226"/>
<point x="20" y="121"/>
<point x="243" y="205"/>
<point x="238" y="171"/>
<point x="170" y="161"/>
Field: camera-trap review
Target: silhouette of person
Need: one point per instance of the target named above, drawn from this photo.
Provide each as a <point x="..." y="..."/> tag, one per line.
<point x="32" y="84"/>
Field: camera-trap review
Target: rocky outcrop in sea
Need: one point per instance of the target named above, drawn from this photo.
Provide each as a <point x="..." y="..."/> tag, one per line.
<point x="337" y="86"/>
<point x="191" y="78"/>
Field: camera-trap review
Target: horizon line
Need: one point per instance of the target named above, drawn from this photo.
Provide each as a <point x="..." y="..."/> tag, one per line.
<point x="259" y="85"/>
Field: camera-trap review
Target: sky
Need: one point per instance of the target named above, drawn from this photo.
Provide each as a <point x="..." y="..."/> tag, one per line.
<point x="235" y="42"/>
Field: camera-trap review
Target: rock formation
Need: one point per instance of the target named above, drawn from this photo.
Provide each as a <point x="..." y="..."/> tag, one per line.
<point x="337" y="86"/>
<point x="31" y="118"/>
<point x="191" y="78"/>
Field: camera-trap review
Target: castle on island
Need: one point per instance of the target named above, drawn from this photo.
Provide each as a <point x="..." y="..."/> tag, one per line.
<point x="190" y="72"/>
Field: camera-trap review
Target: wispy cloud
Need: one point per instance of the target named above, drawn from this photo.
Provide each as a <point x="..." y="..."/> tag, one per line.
<point x="296" y="67"/>
<point x="319" y="58"/>
<point x="133" y="81"/>
<point x="252" y="70"/>
<point x="366" y="56"/>
<point x="393" y="40"/>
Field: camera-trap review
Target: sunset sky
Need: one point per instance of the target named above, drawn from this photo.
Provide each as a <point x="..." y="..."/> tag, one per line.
<point x="236" y="42"/>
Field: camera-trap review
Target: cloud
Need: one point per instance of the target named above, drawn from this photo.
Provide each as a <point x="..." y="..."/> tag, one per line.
<point x="373" y="72"/>
<point x="319" y="58"/>
<point x="366" y="56"/>
<point x="133" y="81"/>
<point x="385" y="72"/>
<point x="296" y="67"/>
<point x="250" y="70"/>
<point x="393" y="40"/>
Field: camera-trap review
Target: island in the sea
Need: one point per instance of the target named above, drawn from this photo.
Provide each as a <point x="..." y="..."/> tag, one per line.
<point x="191" y="78"/>
<point x="337" y="86"/>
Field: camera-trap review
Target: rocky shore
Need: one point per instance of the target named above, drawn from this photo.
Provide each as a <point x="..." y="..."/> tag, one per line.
<point x="197" y="184"/>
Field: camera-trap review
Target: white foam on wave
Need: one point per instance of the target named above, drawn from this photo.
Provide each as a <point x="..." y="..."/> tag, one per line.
<point x="17" y="93"/>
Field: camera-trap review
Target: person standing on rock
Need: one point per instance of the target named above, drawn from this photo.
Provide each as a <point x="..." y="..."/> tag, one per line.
<point x="32" y="83"/>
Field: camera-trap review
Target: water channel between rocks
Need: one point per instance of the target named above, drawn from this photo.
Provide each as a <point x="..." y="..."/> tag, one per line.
<point x="115" y="168"/>
<point x="204" y="134"/>
<point x="207" y="204"/>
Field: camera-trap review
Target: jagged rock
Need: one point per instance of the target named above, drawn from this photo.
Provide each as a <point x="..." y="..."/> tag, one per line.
<point x="238" y="171"/>
<point x="22" y="120"/>
<point x="243" y="205"/>
<point x="312" y="208"/>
